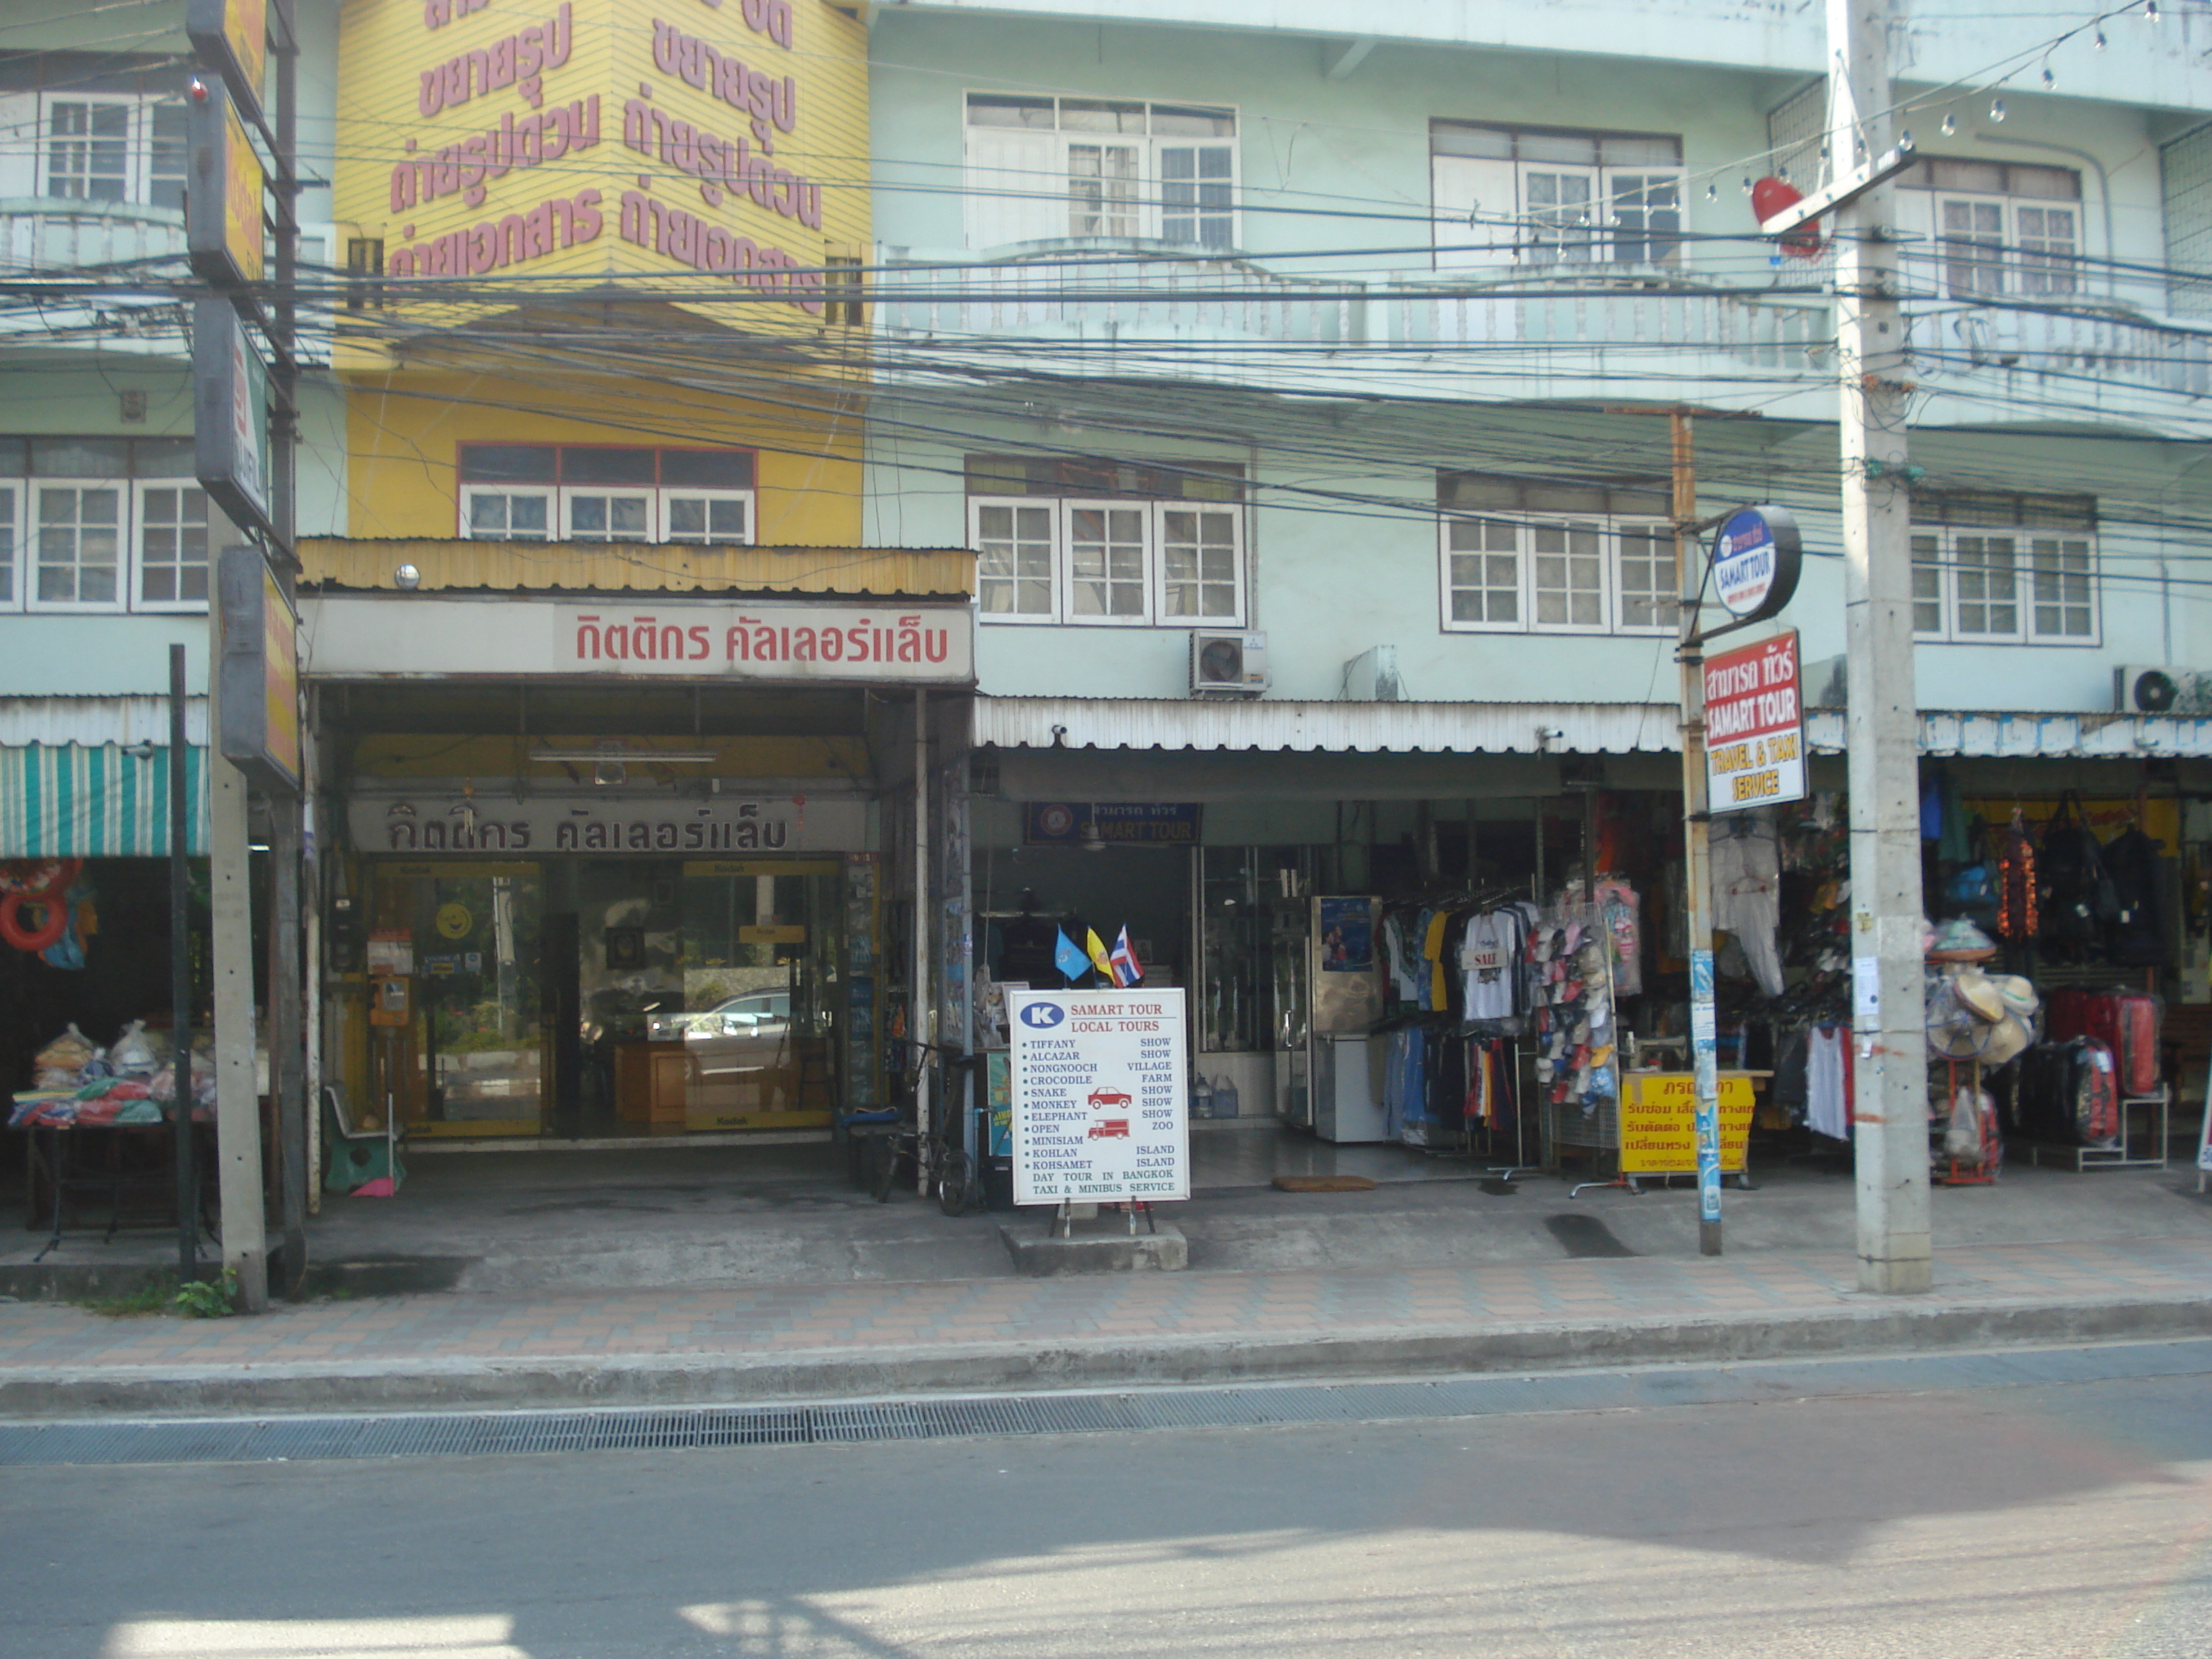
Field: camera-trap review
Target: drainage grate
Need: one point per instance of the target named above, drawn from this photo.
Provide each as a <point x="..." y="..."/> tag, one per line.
<point x="512" y="1433"/>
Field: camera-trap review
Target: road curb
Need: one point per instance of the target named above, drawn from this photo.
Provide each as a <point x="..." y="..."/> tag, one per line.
<point x="415" y="1384"/>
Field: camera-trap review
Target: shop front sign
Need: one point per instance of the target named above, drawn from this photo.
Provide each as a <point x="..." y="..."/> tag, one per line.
<point x="1072" y="824"/>
<point x="1756" y="555"/>
<point x="1754" y="726"/>
<point x="1100" y="1111"/>
<point x="483" y="822"/>
<point x="666" y="638"/>
<point x="1658" y="1123"/>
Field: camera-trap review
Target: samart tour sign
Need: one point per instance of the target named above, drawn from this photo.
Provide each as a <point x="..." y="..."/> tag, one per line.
<point x="1754" y="726"/>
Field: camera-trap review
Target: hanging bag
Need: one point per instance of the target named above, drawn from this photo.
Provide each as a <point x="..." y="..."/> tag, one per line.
<point x="2077" y="899"/>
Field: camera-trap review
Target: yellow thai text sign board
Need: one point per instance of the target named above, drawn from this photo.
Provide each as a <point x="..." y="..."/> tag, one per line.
<point x="607" y="135"/>
<point x="1659" y="1126"/>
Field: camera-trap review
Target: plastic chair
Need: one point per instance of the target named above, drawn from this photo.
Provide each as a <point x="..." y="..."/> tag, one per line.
<point x="359" y="1157"/>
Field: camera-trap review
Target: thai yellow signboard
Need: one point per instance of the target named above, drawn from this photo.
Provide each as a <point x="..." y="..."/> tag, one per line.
<point x="493" y="141"/>
<point x="1658" y="1122"/>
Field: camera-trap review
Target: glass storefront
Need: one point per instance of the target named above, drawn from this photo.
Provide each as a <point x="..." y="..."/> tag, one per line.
<point x="593" y="998"/>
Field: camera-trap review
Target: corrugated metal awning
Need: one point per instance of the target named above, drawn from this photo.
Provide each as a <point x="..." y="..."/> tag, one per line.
<point x="96" y="719"/>
<point x="1530" y="728"/>
<point x="1443" y="728"/>
<point x="95" y="801"/>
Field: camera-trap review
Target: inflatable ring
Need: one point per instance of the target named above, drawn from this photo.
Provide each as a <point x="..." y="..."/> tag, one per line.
<point x="50" y="930"/>
<point x="39" y="877"/>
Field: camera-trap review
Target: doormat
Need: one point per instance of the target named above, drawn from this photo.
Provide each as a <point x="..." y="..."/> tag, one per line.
<point x="1324" y="1184"/>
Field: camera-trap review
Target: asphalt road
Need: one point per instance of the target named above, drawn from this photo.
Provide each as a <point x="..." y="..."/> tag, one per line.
<point x="2011" y="1522"/>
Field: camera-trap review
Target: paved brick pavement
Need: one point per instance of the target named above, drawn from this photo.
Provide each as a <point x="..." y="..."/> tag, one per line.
<point x="879" y="1319"/>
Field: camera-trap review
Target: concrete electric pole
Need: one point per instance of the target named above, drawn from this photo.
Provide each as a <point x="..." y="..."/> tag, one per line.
<point x="1890" y="1092"/>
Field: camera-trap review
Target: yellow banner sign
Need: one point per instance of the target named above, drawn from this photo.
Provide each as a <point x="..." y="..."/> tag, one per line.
<point x="1659" y="1126"/>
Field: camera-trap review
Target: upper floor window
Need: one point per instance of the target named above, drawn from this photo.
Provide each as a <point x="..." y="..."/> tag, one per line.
<point x="1996" y="227"/>
<point x="101" y="524"/>
<point x="1995" y="569"/>
<point x="605" y="493"/>
<point x="1107" y="543"/>
<point x="1042" y="168"/>
<point x="1529" y="555"/>
<point x="114" y="149"/>
<point x="1543" y="196"/>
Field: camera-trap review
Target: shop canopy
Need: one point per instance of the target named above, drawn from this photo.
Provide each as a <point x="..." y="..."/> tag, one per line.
<point x="95" y="800"/>
<point x="1534" y="728"/>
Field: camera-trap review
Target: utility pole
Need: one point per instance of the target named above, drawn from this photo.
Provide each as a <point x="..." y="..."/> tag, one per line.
<point x="1890" y="1088"/>
<point x="1698" y="870"/>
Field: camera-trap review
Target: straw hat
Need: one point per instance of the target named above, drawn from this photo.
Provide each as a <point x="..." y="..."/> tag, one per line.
<point x="1975" y="991"/>
<point x="2020" y="995"/>
<point x="2008" y="1038"/>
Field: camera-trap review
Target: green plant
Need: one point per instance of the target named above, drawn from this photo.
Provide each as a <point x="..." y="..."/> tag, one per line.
<point x="136" y="1304"/>
<point x="204" y="1298"/>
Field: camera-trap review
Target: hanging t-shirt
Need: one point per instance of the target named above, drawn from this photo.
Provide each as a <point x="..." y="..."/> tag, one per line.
<point x="1487" y="957"/>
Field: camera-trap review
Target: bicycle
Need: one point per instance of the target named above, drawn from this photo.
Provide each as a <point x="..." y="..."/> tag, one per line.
<point x="942" y="1163"/>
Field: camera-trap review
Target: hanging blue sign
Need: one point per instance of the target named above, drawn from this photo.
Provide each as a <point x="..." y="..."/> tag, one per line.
<point x="1755" y="559"/>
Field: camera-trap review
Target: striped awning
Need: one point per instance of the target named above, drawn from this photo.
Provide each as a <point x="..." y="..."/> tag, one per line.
<point x="95" y="801"/>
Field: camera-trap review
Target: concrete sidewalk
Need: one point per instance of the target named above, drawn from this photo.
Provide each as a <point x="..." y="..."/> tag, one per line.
<point x="851" y="1338"/>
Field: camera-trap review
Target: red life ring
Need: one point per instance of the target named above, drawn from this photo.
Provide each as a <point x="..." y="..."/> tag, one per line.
<point x="39" y="877"/>
<point x="53" y="924"/>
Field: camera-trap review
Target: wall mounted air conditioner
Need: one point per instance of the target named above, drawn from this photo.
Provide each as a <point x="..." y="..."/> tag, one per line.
<point x="2141" y="689"/>
<point x="1232" y="663"/>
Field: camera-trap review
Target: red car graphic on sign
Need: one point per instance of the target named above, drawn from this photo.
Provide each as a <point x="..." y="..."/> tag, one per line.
<point x="1108" y="1097"/>
<point x="1112" y="1128"/>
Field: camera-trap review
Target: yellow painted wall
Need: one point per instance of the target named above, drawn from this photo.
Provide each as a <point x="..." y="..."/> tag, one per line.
<point x="403" y="430"/>
<point x="506" y="143"/>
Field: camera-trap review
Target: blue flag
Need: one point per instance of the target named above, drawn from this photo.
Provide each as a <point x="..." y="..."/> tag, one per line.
<point x="1071" y="961"/>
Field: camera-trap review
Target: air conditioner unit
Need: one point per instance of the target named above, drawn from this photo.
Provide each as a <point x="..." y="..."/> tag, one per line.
<point x="2141" y="689"/>
<point x="1232" y="663"/>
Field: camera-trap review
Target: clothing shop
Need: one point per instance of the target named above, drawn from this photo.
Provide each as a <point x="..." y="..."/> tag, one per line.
<point x="1483" y="954"/>
<point x="1453" y="947"/>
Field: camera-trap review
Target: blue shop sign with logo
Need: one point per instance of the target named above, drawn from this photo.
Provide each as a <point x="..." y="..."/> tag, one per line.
<point x="1110" y="823"/>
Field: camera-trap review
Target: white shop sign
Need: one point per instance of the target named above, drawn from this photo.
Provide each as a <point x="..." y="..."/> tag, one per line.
<point x="499" y="824"/>
<point x="349" y="636"/>
<point x="1100" y="1109"/>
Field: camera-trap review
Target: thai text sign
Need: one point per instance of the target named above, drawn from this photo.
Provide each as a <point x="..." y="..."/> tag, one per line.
<point x="568" y="135"/>
<point x="1658" y="1122"/>
<point x="1100" y="1112"/>
<point x="660" y="638"/>
<point x="1754" y="726"/>
<point x="493" y="822"/>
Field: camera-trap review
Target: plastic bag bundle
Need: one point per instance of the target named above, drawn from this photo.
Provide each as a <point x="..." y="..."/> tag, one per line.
<point x="133" y="1053"/>
<point x="66" y="1052"/>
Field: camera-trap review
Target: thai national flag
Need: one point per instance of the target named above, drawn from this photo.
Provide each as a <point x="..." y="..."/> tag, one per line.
<point x="1127" y="970"/>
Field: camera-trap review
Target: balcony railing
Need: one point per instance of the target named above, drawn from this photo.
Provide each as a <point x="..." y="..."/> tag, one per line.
<point x="1227" y="321"/>
<point x="60" y="233"/>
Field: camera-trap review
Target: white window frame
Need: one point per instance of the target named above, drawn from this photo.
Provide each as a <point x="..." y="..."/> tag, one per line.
<point x="34" y="517"/>
<point x="671" y="494"/>
<point x="645" y="495"/>
<point x="189" y="488"/>
<point x="2013" y="258"/>
<point x="138" y="176"/>
<point x="1483" y="210"/>
<point x="1530" y="529"/>
<point x="1022" y="184"/>
<point x="1061" y="515"/>
<point x="545" y="493"/>
<point x="1955" y="575"/>
<point x="14" y="552"/>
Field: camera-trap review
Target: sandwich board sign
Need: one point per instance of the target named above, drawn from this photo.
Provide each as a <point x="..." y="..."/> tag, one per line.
<point x="1101" y="1112"/>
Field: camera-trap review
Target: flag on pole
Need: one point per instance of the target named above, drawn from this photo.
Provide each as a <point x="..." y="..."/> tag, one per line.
<point x="1127" y="970"/>
<point x="1072" y="962"/>
<point x="1098" y="956"/>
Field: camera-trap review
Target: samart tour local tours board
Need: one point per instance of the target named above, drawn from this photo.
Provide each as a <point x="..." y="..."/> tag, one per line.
<point x="1100" y="1113"/>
